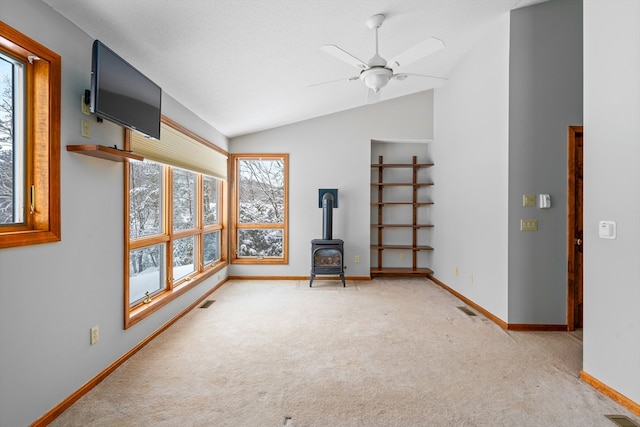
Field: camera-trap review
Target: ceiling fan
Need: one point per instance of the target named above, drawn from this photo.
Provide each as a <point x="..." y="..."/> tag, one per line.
<point x="377" y="72"/>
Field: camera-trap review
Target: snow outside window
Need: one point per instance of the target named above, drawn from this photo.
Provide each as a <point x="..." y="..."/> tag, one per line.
<point x="260" y="209"/>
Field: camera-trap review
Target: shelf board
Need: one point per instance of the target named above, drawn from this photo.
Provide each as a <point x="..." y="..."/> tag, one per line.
<point x="399" y="184"/>
<point x="402" y="203"/>
<point x="403" y="247"/>
<point x="403" y="225"/>
<point x="104" y="152"/>
<point x="402" y="165"/>
<point x="398" y="271"/>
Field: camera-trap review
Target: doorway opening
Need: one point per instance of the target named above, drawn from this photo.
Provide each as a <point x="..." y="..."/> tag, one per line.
<point x="575" y="242"/>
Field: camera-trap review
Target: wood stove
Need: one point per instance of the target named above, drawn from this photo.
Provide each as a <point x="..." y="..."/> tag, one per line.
<point x="327" y="253"/>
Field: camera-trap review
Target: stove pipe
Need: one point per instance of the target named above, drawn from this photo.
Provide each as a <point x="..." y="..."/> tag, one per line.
<point x="327" y="216"/>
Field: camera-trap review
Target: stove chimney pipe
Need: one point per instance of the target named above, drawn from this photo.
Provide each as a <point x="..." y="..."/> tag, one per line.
<point x="327" y="216"/>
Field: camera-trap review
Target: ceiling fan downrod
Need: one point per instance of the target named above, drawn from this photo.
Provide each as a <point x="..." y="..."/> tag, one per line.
<point x="374" y="23"/>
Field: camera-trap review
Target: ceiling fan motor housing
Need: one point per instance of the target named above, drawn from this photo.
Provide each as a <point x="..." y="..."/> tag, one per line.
<point x="376" y="78"/>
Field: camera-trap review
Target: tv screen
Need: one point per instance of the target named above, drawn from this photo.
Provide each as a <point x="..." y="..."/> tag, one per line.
<point x="122" y="94"/>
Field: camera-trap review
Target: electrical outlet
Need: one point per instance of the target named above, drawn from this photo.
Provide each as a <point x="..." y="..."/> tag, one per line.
<point x="457" y="271"/>
<point x="401" y="256"/>
<point x="471" y="278"/>
<point x="86" y="128"/>
<point x="356" y="258"/>
<point x="85" y="107"/>
<point x="528" y="225"/>
<point x="94" y="335"/>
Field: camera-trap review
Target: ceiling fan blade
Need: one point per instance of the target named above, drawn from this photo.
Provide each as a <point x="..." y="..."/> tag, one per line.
<point x="350" y="79"/>
<point x="402" y="76"/>
<point x="419" y="51"/>
<point x="344" y="56"/>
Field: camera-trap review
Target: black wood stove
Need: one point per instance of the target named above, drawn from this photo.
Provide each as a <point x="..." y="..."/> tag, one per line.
<point x="327" y="253"/>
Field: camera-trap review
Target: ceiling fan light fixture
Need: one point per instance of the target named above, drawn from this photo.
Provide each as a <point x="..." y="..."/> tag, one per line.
<point x="376" y="78"/>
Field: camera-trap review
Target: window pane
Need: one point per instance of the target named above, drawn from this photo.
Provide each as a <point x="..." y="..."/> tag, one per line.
<point x="260" y="243"/>
<point x="145" y="199"/>
<point x="146" y="268"/>
<point x="210" y="200"/>
<point x="184" y="199"/>
<point x="261" y="191"/>
<point x="183" y="257"/>
<point x="211" y="247"/>
<point x="12" y="178"/>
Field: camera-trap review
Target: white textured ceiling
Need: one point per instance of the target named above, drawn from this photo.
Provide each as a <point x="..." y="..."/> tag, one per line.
<point x="246" y="65"/>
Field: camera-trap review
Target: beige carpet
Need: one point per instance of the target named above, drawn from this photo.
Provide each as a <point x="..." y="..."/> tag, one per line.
<point x="389" y="352"/>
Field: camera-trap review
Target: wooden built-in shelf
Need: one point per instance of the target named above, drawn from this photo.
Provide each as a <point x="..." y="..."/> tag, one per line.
<point x="412" y="243"/>
<point x="104" y="152"/>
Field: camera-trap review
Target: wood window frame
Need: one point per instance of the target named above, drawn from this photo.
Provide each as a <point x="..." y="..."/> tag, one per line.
<point x="235" y="224"/>
<point x="42" y="223"/>
<point x="166" y="237"/>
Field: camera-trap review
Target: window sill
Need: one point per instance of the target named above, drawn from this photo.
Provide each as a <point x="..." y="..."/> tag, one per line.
<point x="141" y="311"/>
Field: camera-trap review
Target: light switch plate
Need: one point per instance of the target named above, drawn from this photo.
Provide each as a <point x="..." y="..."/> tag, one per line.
<point x="528" y="200"/>
<point x="86" y="128"/>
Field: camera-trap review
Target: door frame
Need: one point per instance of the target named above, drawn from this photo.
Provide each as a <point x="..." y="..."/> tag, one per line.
<point x="571" y="224"/>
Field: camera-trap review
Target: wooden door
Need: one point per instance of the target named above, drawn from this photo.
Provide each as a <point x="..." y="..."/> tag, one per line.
<point x="574" y="231"/>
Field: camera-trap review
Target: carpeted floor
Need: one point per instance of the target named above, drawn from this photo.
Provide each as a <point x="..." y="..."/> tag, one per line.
<point x="386" y="352"/>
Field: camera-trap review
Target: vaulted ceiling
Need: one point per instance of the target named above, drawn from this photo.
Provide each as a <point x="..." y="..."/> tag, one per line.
<point x="250" y="65"/>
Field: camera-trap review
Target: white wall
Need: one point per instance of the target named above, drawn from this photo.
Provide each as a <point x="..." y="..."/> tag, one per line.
<point x="612" y="192"/>
<point x="334" y="152"/>
<point x="470" y="151"/>
<point x="51" y="294"/>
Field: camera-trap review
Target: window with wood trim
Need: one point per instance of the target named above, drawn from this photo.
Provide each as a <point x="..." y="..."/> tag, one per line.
<point x="176" y="235"/>
<point x="30" y="77"/>
<point x="259" y="233"/>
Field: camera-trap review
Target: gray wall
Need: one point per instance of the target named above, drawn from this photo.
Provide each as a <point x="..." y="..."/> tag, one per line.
<point x="545" y="97"/>
<point x="51" y="294"/>
<point x="334" y="152"/>
<point x="612" y="192"/>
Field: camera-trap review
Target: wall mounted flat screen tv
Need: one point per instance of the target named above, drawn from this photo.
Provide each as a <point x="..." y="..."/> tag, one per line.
<point x="122" y="94"/>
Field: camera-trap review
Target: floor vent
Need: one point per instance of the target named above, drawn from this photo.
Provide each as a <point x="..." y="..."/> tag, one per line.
<point x="467" y="311"/>
<point x="622" y="421"/>
<point x="207" y="303"/>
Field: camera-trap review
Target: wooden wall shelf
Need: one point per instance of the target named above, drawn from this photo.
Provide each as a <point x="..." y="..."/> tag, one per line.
<point x="104" y="152"/>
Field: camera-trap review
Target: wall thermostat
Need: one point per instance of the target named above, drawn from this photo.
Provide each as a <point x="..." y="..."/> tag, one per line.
<point x="607" y="229"/>
<point x="545" y="201"/>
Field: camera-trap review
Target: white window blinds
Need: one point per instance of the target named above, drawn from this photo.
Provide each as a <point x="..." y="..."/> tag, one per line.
<point x="175" y="148"/>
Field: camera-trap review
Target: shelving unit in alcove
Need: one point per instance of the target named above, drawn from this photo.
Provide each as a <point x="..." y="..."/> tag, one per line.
<point x="383" y="202"/>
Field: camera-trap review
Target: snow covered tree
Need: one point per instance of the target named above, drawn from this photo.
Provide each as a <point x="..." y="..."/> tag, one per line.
<point x="6" y="150"/>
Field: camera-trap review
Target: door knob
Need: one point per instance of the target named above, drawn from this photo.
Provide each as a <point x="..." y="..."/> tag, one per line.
<point x="579" y="242"/>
